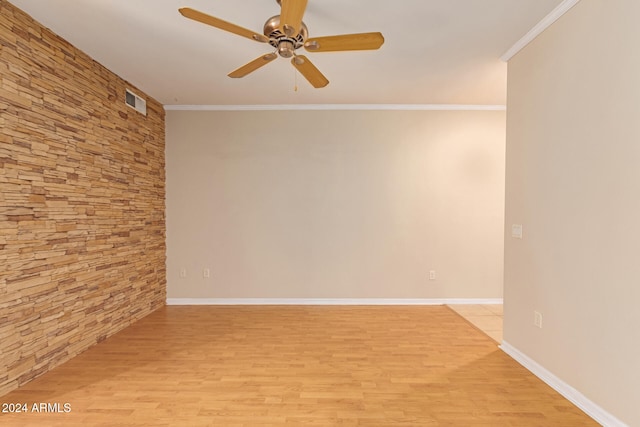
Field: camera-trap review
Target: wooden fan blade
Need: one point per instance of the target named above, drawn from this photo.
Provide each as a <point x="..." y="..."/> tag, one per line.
<point x="253" y="65"/>
<point x="309" y="71"/>
<point x="362" y="41"/>
<point x="187" y="12"/>
<point x="291" y="16"/>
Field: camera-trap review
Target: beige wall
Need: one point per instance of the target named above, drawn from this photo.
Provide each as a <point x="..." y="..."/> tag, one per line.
<point x="573" y="181"/>
<point x="82" y="245"/>
<point x="335" y="204"/>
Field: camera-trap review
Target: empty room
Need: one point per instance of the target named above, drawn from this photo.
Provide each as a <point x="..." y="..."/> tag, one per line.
<point x="305" y="212"/>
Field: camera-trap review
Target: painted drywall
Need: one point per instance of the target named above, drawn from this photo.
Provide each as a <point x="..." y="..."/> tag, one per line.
<point x="573" y="182"/>
<point x="335" y="204"/>
<point x="82" y="231"/>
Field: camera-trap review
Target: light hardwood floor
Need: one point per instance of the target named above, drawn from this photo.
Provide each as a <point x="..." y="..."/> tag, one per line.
<point x="298" y="366"/>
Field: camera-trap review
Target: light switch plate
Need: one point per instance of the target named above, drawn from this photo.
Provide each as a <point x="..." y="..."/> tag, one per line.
<point x="537" y="319"/>
<point x="516" y="231"/>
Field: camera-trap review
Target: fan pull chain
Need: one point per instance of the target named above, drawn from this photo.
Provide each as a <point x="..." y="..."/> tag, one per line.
<point x="295" y="80"/>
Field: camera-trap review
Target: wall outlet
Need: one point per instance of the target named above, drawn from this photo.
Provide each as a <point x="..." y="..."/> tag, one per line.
<point x="537" y="319"/>
<point x="206" y="273"/>
<point x="432" y="275"/>
<point x="183" y="272"/>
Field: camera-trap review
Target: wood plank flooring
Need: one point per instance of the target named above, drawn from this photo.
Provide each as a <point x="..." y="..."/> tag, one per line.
<point x="295" y="366"/>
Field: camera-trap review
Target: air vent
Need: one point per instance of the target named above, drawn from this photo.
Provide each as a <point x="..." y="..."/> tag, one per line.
<point x="135" y="101"/>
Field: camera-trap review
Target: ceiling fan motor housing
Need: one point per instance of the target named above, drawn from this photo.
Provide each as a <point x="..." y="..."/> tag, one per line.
<point x="286" y="45"/>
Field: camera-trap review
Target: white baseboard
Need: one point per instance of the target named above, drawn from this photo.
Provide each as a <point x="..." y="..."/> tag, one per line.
<point x="570" y="393"/>
<point x="330" y="301"/>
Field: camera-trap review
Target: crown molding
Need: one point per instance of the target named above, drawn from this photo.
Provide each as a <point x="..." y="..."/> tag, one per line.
<point x="545" y="23"/>
<point x="335" y="107"/>
<point x="331" y="301"/>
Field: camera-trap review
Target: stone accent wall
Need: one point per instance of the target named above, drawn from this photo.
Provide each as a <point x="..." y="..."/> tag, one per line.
<point x="82" y="202"/>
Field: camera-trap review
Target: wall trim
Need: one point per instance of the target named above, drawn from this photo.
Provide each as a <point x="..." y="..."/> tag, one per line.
<point x="545" y="23"/>
<point x="334" y="107"/>
<point x="574" y="396"/>
<point x="330" y="301"/>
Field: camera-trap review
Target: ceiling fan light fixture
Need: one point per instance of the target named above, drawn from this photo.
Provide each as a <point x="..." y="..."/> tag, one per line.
<point x="286" y="48"/>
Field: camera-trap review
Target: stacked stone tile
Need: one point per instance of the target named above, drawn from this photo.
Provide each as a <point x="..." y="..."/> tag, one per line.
<point x="82" y="202"/>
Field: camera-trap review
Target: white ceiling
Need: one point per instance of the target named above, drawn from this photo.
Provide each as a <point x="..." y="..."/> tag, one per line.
<point x="435" y="52"/>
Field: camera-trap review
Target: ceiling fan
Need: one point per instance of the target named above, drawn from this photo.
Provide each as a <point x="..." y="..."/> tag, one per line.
<point x="287" y="33"/>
